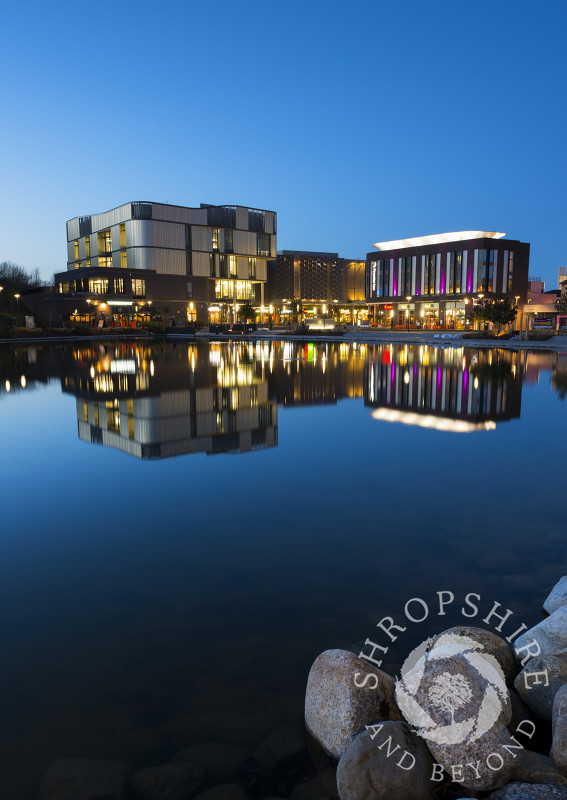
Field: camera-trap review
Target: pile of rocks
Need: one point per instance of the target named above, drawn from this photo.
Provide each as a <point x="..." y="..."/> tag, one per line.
<point x="465" y="719"/>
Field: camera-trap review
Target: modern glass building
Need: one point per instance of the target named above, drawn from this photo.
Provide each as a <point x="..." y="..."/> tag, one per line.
<point x="433" y="281"/>
<point x="191" y="263"/>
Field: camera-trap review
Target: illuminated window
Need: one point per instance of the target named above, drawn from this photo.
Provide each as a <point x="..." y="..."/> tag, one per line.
<point x="123" y="259"/>
<point x="85" y="411"/>
<point x="216" y="239"/>
<point x="118" y="286"/>
<point x="96" y="416"/>
<point x="123" y="235"/>
<point x="76" y="250"/>
<point x="510" y="270"/>
<point x="98" y="286"/>
<point x="222" y="266"/>
<point x="88" y="262"/>
<point x="105" y="261"/>
<point x="232" y="266"/>
<point x="212" y="265"/>
<point x="251" y="267"/>
<point x="138" y="287"/>
<point x="104" y="242"/>
<point x="88" y="246"/>
<point x="263" y="244"/>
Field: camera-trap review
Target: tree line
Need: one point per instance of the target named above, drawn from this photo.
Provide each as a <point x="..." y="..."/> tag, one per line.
<point x="15" y="279"/>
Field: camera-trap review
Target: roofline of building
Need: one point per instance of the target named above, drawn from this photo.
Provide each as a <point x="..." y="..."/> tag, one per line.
<point x="172" y="205"/>
<point x="437" y="238"/>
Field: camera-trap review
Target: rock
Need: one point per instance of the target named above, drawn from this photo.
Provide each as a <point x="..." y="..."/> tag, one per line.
<point x="455" y="695"/>
<point x="529" y="791"/>
<point x="550" y="634"/>
<point x="336" y="708"/>
<point x="283" y="743"/>
<point x="492" y="644"/>
<point x="84" y="779"/>
<point x="557" y="597"/>
<point x="217" y="759"/>
<point x="367" y="772"/>
<point x="538" y="692"/>
<point x="559" y="720"/>
<point x="226" y="791"/>
<point x="138" y="746"/>
<point x="313" y="789"/>
<point x="168" y="782"/>
<point x="520" y="711"/>
<point x="530" y="767"/>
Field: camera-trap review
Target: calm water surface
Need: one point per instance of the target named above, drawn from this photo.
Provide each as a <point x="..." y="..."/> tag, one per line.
<point x="148" y="586"/>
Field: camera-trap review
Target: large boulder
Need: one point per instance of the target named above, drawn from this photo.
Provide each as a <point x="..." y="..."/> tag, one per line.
<point x="345" y="693"/>
<point x="557" y="597"/>
<point x="454" y="694"/>
<point x="84" y="779"/>
<point x="550" y="634"/>
<point x="530" y="791"/>
<point x="491" y="643"/>
<point x="386" y="762"/>
<point x="539" y="681"/>
<point x="168" y="782"/>
<point x="559" y="719"/>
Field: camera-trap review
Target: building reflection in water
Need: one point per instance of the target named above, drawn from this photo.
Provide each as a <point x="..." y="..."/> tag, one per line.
<point x="448" y="389"/>
<point x="172" y="400"/>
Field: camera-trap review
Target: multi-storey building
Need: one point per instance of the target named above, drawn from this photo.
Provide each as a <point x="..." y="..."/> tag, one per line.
<point x="429" y="281"/>
<point x="190" y="263"/>
<point x="323" y="283"/>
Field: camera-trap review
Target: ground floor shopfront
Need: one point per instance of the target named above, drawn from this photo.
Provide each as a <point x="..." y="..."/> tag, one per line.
<point x="426" y="315"/>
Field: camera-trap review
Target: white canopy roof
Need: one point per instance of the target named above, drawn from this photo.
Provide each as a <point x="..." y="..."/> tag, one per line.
<point x="438" y="238"/>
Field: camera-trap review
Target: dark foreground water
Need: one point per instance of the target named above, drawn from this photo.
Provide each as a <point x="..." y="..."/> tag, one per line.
<point x="154" y="597"/>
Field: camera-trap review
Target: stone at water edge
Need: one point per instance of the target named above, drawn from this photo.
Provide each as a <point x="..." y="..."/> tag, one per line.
<point x="84" y="779"/>
<point x="491" y="643"/>
<point x="530" y="791"/>
<point x="336" y="709"/>
<point x="285" y="742"/>
<point x="226" y="791"/>
<point x="557" y="597"/>
<point x="537" y="695"/>
<point x="168" y="782"/>
<point x="455" y="696"/>
<point x="550" y="634"/>
<point x="219" y="760"/>
<point x="559" y="745"/>
<point x="366" y="772"/>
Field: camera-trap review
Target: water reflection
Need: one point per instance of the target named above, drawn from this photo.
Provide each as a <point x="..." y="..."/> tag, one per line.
<point x="450" y="389"/>
<point x="157" y="400"/>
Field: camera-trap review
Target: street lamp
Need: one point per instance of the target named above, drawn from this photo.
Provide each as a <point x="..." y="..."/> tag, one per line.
<point x="17" y="296"/>
<point x="1" y="290"/>
<point x="408" y="298"/>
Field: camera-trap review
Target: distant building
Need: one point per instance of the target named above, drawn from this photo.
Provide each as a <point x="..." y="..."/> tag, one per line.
<point x="321" y="283"/>
<point x="190" y="263"/>
<point x="537" y="293"/>
<point x="562" y="281"/>
<point x="430" y="281"/>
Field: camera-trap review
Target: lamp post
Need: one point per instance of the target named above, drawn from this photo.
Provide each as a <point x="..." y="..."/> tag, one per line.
<point x="1" y="290"/>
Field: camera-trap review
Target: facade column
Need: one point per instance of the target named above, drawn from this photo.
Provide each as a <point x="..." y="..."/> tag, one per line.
<point x="261" y="302"/>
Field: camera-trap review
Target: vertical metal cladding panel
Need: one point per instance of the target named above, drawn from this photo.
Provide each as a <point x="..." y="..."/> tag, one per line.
<point x="413" y="273"/>
<point x="422" y="284"/>
<point x="475" y="272"/>
<point x="269" y="222"/>
<point x="140" y="233"/>
<point x="495" y="272"/>
<point x="116" y="259"/>
<point x="167" y="234"/>
<point x="400" y="288"/>
<point x="464" y="288"/>
<point x="201" y="238"/>
<point x="139" y="258"/>
<point x="437" y="272"/>
<point x="73" y="229"/>
<point x="261" y="269"/>
<point x="179" y="214"/>
<point x="70" y="251"/>
<point x="448" y="275"/>
<point x="242" y="267"/>
<point x="242" y="218"/>
<point x="505" y="272"/>
<point x="200" y="264"/>
<point x="273" y="245"/>
<point x="245" y="243"/>
<point x="115" y="237"/>
<point x="168" y="262"/>
<point x="391" y="281"/>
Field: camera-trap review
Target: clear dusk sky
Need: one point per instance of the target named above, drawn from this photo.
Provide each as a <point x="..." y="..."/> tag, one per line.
<point x="357" y="122"/>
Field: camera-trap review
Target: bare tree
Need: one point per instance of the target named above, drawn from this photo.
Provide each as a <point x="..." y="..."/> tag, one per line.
<point x="450" y="692"/>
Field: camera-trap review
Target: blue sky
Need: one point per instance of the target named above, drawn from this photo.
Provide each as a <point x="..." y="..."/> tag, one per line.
<point x="356" y="122"/>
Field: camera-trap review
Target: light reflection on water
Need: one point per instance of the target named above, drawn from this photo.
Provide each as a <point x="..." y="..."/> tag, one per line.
<point x="189" y="595"/>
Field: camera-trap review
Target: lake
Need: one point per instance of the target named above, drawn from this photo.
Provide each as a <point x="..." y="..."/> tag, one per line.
<point x="185" y="527"/>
